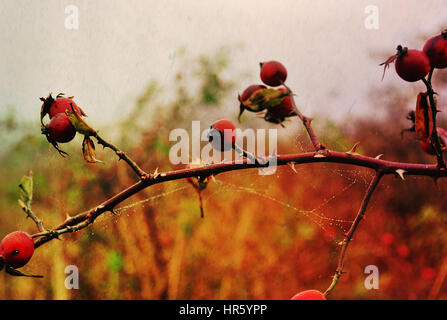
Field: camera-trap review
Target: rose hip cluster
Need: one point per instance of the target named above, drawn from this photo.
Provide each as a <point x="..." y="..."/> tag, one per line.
<point x="275" y="103"/>
<point x="60" y="128"/>
<point x="414" y="65"/>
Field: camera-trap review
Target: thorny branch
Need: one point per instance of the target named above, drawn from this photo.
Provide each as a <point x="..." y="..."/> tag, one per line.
<point x="306" y="122"/>
<point x="321" y="154"/>
<point x="71" y="224"/>
<point x="434" y="137"/>
<point x="361" y="213"/>
<point x="122" y="155"/>
<point x="37" y="221"/>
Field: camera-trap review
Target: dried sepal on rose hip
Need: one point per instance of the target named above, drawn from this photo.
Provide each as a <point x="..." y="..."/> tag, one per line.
<point x="278" y="114"/>
<point x="273" y="73"/>
<point x="436" y="50"/>
<point x="199" y="183"/>
<point x="410" y="65"/>
<point x="423" y="117"/>
<point x="309" y="295"/>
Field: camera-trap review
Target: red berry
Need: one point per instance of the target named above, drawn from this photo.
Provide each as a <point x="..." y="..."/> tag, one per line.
<point x="16" y="249"/>
<point x="428" y="148"/>
<point x="273" y="73"/>
<point x="436" y="50"/>
<point x="60" y="128"/>
<point x="280" y="112"/>
<point x="309" y="295"/>
<point x="428" y="273"/>
<point x="387" y="238"/>
<point x="59" y="105"/>
<point x="246" y="95"/>
<point x="403" y="251"/>
<point x="411" y="65"/>
<point x="222" y="135"/>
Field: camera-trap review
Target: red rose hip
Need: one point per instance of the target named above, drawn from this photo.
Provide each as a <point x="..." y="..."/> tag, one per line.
<point x="222" y="135"/>
<point x="428" y="148"/>
<point x="273" y="73"/>
<point x="387" y="239"/>
<point x="16" y="249"/>
<point x="309" y="295"/>
<point x="403" y="251"/>
<point x="250" y="90"/>
<point x="278" y="113"/>
<point x="60" y="129"/>
<point x="59" y="105"/>
<point x="436" y="50"/>
<point x="411" y="65"/>
<point x="246" y="95"/>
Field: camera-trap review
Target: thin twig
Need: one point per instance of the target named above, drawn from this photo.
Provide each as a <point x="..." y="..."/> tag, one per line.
<point x="430" y="74"/>
<point x="122" y="155"/>
<point x="306" y="122"/>
<point x="202" y="214"/>
<point x="37" y="221"/>
<point x="361" y="213"/>
<point x="434" y="137"/>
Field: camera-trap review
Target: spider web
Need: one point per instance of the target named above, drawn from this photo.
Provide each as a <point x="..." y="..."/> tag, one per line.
<point x="320" y="215"/>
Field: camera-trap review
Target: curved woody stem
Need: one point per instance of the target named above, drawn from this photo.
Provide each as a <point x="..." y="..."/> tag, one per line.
<point x="320" y="155"/>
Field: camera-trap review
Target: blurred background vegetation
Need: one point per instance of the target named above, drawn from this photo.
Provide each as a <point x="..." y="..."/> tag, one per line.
<point x="263" y="237"/>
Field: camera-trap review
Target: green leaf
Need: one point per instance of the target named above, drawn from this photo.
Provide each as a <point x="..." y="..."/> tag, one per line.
<point x="26" y="190"/>
<point x="115" y="261"/>
<point x="78" y="123"/>
<point x="22" y="204"/>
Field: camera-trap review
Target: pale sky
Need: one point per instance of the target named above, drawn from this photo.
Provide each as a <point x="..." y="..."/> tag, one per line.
<point x="121" y="46"/>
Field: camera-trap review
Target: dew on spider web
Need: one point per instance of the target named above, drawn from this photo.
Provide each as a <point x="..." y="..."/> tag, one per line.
<point x="253" y="184"/>
<point x="129" y="208"/>
<point x="318" y="215"/>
